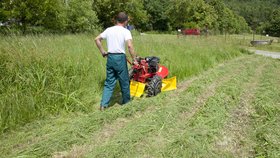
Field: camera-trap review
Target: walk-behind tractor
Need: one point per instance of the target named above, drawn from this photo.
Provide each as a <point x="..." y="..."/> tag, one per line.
<point x="150" y="77"/>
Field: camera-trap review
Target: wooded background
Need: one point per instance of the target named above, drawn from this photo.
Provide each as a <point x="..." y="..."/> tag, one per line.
<point x="76" y="16"/>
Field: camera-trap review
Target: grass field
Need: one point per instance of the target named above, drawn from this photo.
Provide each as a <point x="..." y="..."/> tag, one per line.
<point x="48" y="75"/>
<point x="226" y="105"/>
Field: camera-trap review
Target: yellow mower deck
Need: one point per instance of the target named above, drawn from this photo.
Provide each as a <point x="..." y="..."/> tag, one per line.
<point x="137" y="88"/>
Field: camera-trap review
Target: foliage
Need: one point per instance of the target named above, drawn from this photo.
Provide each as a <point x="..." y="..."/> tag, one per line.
<point x="258" y="14"/>
<point x="80" y="16"/>
<point x="75" y="16"/>
<point x="4" y="14"/>
<point x="146" y="15"/>
<point x="53" y="15"/>
<point x="158" y="17"/>
<point x="273" y="28"/>
<point x="210" y="14"/>
<point x="55" y="18"/>
<point x="189" y="13"/>
<point x="227" y="20"/>
<point x="106" y="10"/>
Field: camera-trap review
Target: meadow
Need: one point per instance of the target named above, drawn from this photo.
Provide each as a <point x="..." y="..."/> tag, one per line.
<point x="226" y="104"/>
<point x="48" y="75"/>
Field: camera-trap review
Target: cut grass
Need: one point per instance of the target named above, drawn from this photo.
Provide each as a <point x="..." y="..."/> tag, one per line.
<point x="155" y="127"/>
<point x="267" y="115"/>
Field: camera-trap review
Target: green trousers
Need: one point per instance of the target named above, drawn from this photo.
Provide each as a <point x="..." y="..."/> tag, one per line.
<point x="116" y="69"/>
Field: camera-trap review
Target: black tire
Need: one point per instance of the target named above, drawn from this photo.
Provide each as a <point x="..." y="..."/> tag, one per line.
<point x="154" y="86"/>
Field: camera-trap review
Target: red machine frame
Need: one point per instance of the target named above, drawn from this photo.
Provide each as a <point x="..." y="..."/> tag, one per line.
<point x="142" y="71"/>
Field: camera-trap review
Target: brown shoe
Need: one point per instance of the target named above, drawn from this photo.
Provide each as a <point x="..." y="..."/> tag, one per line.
<point x="102" y="108"/>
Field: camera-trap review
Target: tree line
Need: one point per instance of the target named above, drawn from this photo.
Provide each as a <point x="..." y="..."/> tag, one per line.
<point x="263" y="16"/>
<point x="75" y="16"/>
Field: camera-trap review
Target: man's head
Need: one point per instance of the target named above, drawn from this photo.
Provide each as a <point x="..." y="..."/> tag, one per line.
<point x="121" y="18"/>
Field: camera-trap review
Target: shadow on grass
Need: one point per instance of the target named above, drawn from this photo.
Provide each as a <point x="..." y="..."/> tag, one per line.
<point x="116" y="98"/>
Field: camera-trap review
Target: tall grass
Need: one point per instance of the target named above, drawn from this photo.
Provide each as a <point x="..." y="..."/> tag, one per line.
<point x="48" y="75"/>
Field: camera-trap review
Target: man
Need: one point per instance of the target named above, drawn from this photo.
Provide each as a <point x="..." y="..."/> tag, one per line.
<point x="116" y="68"/>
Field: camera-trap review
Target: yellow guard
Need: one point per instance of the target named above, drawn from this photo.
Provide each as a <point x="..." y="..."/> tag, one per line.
<point x="169" y="84"/>
<point x="137" y="88"/>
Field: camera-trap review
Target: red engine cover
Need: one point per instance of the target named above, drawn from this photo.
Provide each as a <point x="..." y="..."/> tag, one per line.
<point x="142" y="73"/>
<point x="162" y="71"/>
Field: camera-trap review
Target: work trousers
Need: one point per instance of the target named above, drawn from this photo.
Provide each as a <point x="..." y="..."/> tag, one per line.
<point x="116" y="69"/>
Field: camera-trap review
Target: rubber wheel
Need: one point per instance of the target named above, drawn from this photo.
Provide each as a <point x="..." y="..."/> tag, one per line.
<point x="154" y="86"/>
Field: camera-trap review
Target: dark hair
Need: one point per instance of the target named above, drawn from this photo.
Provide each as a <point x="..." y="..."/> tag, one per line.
<point x="121" y="17"/>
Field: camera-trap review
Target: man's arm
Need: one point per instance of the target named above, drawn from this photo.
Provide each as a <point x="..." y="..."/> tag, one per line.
<point x="98" y="43"/>
<point x="131" y="50"/>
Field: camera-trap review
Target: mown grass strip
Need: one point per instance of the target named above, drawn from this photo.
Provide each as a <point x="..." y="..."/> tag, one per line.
<point x="150" y="124"/>
<point x="236" y="139"/>
<point x="267" y="113"/>
<point x="41" y="138"/>
<point x="198" y="133"/>
<point x="92" y="144"/>
<point x="147" y="111"/>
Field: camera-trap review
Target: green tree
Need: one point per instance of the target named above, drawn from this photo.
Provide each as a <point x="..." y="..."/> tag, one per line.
<point x="54" y="16"/>
<point x="255" y="12"/>
<point x="273" y="28"/>
<point x="158" y="18"/>
<point x="192" y="13"/>
<point x="241" y="25"/>
<point x="81" y="17"/>
<point x="227" y="20"/>
<point x="27" y="12"/>
<point x="4" y="10"/>
<point x="106" y="10"/>
<point x="34" y="13"/>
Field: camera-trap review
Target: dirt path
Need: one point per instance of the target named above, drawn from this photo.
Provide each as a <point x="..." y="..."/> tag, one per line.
<point x="275" y="55"/>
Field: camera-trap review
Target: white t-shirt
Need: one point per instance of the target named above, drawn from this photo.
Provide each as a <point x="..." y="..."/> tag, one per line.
<point x="116" y="37"/>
